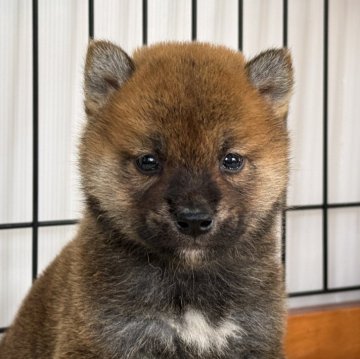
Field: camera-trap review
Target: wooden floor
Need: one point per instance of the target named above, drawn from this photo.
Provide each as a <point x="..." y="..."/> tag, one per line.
<point x="324" y="333"/>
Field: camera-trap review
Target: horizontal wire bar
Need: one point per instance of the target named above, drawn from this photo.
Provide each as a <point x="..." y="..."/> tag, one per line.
<point x="16" y="225"/>
<point x="342" y="205"/>
<point x="321" y="206"/>
<point x="64" y="222"/>
<point x="75" y="221"/>
<point x="304" y="207"/>
<point x="323" y="291"/>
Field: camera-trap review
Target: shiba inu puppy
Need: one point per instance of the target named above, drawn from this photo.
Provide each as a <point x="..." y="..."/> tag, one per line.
<point x="184" y="163"/>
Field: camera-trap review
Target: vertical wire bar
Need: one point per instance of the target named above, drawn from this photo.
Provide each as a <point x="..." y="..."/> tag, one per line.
<point x="240" y="24"/>
<point x="193" y="20"/>
<point x="283" y="235"/>
<point x="91" y="19"/>
<point x="285" y="23"/>
<point x="283" y="216"/>
<point x="145" y="22"/>
<point x="35" y="174"/>
<point x="325" y="145"/>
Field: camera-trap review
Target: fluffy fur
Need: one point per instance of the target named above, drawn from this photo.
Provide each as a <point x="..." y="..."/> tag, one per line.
<point x="130" y="285"/>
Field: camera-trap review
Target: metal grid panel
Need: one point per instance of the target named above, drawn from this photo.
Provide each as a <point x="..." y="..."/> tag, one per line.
<point x="35" y="224"/>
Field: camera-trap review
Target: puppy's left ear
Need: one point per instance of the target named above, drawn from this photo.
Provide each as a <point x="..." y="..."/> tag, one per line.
<point x="271" y="74"/>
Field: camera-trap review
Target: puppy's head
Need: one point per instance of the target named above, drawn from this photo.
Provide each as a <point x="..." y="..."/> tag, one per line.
<point x="185" y="148"/>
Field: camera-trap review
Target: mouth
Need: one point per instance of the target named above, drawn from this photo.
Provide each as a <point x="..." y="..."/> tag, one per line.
<point x="163" y="237"/>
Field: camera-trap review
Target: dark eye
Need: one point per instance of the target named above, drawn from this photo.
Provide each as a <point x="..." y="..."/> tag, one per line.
<point x="148" y="164"/>
<point x="232" y="162"/>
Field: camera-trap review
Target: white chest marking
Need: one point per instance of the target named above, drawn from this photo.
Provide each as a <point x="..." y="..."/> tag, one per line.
<point x="196" y="331"/>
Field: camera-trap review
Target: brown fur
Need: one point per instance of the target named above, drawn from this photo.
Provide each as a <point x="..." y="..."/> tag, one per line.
<point x="191" y="104"/>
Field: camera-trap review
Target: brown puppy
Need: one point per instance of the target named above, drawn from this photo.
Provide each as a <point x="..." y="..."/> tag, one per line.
<point x="184" y="165"/>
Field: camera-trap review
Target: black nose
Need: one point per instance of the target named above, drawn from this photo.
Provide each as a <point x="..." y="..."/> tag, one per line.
<point x="193" y="222"/>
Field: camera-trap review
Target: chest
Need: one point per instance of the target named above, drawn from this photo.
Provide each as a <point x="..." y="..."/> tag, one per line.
<point x="198" y="333"/>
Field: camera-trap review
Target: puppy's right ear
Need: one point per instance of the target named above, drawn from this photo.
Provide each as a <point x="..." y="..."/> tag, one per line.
<point x="107" y="67"/>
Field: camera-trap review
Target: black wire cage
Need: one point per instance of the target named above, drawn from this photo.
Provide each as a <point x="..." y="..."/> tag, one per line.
<point x="324" y="207"/>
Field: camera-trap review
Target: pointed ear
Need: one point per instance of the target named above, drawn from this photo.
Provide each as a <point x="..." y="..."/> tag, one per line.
<point x="107" y="67"/>
<point x="271" y="74"/>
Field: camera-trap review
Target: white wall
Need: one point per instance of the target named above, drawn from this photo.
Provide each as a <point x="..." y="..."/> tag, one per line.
<point x="63" y="34"/>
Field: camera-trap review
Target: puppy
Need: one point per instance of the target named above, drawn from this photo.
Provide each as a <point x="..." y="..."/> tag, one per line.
<point x="184" y="163"/>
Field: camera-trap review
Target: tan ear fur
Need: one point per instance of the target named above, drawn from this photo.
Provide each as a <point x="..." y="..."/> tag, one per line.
<point x="271" y="73"/>
<point x="107" y="67"/>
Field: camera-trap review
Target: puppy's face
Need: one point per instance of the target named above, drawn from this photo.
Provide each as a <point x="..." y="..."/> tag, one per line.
<point x="185" y="150"/>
